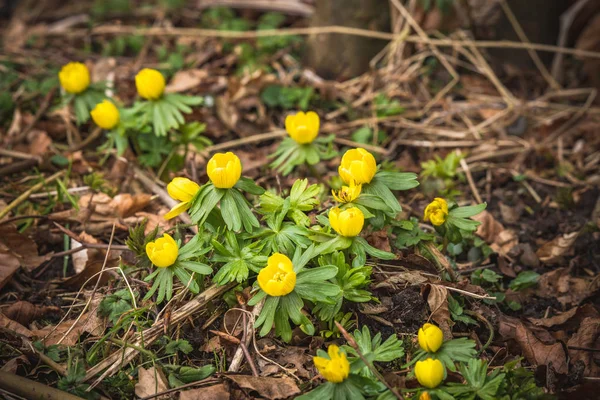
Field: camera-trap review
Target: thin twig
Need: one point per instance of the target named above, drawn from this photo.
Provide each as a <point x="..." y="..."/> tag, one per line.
<point x="16" y="202"/>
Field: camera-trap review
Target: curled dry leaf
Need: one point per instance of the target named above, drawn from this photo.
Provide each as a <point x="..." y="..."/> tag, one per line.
<point x="566" y="288"/>
<point x="552" y="252"/>
<point x="67" y="332"/>
<point x="151" y="381"/>
<point x="437" y="299"/>
<point x="538" y="353"/>
<point x="501" y="240"/>
<point x="537" y="345"/>
<point x="186" y="80"/>
<point x="380" y="240"/>
<point x="24" y="312"/>
<point x="215" y="392"/>
<point x="568" y="320"/>
<point x="401" y="278"/>
<point x="15" y="245"/>
<point x="267" y="387"/>
<point x="295" y="359"/>
<point x="14" y="327"/>
<point x="580" y="344"/>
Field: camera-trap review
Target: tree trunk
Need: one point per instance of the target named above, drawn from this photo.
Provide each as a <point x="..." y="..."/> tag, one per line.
<point x="338" y="56"/>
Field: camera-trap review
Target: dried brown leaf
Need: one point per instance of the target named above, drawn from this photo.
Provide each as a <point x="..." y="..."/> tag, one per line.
<point x="566" y="288"/>
<point x="24" y="312"/>
<point x="267" y="387"/>
<point x="216" y="392"/>
<point x="586" y="338"/>
<point x="186" y="80"/>
<point x="501" y="240"/>
<point x="538" y="353"/>
<point x="72" y="329"/>
<point x="151" y="381"/>
<point x="19" y="246"/>
<point x="552" y="252"/>
<point x="402" y="278"/>
<point x="569" y="319"/>
<point x="437" y="299"/>
<point x="14" y="327"/>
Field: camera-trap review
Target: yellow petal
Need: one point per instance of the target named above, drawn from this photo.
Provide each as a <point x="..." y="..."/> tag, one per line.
<point x="150" y="84"/>
<point x="178" y="209"/>
<point x="74" y="77"/>
<point x="163" y="251"/>
<point x="182" y="189"/>
<point x="105" y="115"/>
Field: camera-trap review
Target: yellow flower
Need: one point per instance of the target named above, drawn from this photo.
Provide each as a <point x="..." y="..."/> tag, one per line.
<point x="358" y="165"/>
<point x="163" y="251"/>
<point x="348" y="222"/>
<point x="436" y="211"/>
<point x="336" y="368"/>
<point x="425" y="396"/>
<point x="347" y="194"/>
<point x="224" y="170"/>
<point x="303" y="128"/>
<point x="181" y="189"/>
<point x="278" y="277"/>
<point x="74" y="77"/>
<point x="430" y="338"/>
<point x="430" y="372"/>
<point x="150" y="84"/>
<point x="105" y="115"/>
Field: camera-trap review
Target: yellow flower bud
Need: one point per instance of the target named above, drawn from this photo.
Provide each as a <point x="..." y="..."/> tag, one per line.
<point x="430" y="338"/>
<point x="430" y="372"/>
<point x="150" y="84"/>
<point x="358" y="165"/>
<point x="348" y="222"/>
<point x="105" y="115"/>
<point x="184" y="190"/>
<point x="347" y="194"/>
<point x="425" y="396"/>
<point x="163" y="251"/>
<point x="436" y="211"/>
<point x="224" y="170"/>
<point x="278" y="277"/>
<point x="335" y="369"/>
<point x="74" y="77"/>
<point x="303" y="128"/>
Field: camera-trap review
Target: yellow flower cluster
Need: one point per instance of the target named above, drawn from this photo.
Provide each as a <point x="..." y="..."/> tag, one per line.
<point x="163" y="251"/>
<point x="105" y="115"/>
<point x="278" y="277"/>
<point x="74" y="77"/>
<point x="436" y="211"/>
<point x="335" y="369"/>
<point x="429" y="372"/>
<point x="150" y="84"/>
<point x="358" y="166"/>
<point x="303" y="127"/>
<point x="224" y="170"/>
<point x="348" y="222"/>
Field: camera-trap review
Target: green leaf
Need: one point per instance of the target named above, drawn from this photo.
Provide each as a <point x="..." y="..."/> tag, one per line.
<point x="316" y="275"/>
<point x="243" y="208"/>
<point x="248" y="185"/>
<point x="267" y="315"/>
<point x="397" y="180"/>
<point x="524" y="280"/>
<point x="115" y="305"/>
<point x="178" y="345"/>
<point x="455" y="350"/>
<point x="230" y="212"/>
<point x="468" y="211"/>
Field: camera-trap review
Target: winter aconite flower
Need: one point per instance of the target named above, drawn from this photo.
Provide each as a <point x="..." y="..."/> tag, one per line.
<point x="347" y="194"/>
<point x="357" y="165"/>
<point x="163" y="251"/>
<point x="335" y="369"/>
<point x="348" y="222"/>
<point x="224" y="170"/>
<point x="302" y="127"/>
<point x="278" y="277"/>
<point x="74" y="77"/>
<point x="425" y="396"/>
<point x="105" y="115"/>
<point x="181" y="189"/>
<point x="430" y="372"/>
<point x="430" y="338"/>
<point x="436" y="211"/>
<point x="150" y="84"/>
